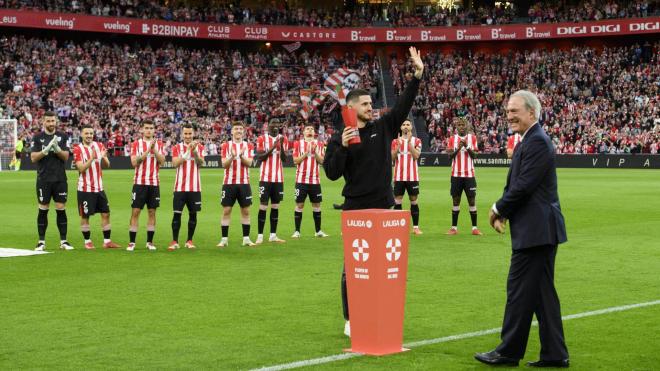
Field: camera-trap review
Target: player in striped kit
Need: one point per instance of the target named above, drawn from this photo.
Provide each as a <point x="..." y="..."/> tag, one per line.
<point x="405" y="152"/>
<point x="187" y="157"/>
<point x="511" y="144"/>
<point x="147" y="155"/>
<point x="236" y="160"/>
<point x="462" y="148"/>
<point x="271" y="151"/>
<point x="308" y="154"/>
<point x="89" y="157"/>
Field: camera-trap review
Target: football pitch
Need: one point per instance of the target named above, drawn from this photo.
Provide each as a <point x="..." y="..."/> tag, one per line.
<point x="246" y="308"/>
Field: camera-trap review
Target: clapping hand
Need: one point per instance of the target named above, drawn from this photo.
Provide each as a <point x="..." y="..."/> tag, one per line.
<point x="56" y="144"/>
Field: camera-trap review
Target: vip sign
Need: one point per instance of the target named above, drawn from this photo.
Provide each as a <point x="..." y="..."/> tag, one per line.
<point x="360" y="248"/>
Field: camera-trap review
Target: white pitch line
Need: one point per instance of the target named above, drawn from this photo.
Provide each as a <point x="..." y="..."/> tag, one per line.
<point x="343" y="356"/>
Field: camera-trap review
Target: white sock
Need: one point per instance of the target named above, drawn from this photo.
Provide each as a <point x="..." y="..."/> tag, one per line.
<point x="106" y="240"/>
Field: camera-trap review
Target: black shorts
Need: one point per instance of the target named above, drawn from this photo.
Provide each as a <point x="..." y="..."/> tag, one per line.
<point x="192" y="200"/>
<point x="145" y="195"/>
<point x="272" y="191"/>
<point x="458" y="185"/>
<point x="52" y="190"/>
<point x="401" y="187"/>
<point x="18" y="155"/>
<point x="236" y="192"/>
<point x="90" y="203"/>
<point x="313" y="190"/>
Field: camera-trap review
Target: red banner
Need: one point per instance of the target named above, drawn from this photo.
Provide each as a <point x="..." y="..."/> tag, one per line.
<point x="135" y="26"/>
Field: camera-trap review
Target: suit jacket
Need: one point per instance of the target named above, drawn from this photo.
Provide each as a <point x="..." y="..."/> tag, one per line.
<point x="530" y="200"/>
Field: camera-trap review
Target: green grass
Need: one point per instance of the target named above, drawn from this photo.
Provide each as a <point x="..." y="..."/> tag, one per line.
<point x="241" y="308"/>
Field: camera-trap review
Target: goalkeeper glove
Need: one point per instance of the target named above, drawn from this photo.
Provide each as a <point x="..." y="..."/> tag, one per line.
<point x="46" y="150"/>
<point x="56" y="145"/>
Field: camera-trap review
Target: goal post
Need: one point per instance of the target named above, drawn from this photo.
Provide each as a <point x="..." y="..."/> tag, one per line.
<point x="8" y="138"/>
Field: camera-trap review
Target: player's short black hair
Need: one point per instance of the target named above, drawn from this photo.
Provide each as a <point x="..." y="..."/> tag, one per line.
<point x="147" y="122"/>
<point x="50" y="114"/>
<point x="86" y="126"/>
<point x="355" y="94"/>
<point x="188" y="125"/>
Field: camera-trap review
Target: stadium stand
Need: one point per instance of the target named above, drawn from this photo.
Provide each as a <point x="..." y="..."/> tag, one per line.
<point x="595" y="101"/>
<point x="360" y="16"/>
<point x="113" y="87"/>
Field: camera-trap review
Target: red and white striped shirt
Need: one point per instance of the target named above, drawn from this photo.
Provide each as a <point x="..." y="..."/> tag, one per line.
<point x="462" y="165"/>
<point x="237" y="173"/>
<point x="271" y="167"/>
<point x="187" y="174"/>
<point x="308" y="169"/>
<point x="147" y="172"/>
<point x="90" y="180"/>
<point x="405" y="166"/>
<point x="513" y="141"/>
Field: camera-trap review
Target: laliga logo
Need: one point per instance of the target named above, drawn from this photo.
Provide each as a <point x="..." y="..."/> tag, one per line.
<point x="393" y="249"/>
<point x="360" y="246"/>
<point x="647" y="26"/>
<point x="394" y="223"/>
<point x="359" y="223"/>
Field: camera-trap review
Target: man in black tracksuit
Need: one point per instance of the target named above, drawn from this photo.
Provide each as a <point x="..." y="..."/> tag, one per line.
<point x="367" y="166"/>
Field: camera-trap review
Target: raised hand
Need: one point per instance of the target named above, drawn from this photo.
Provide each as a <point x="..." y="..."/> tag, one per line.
<point x="416" y="58"/>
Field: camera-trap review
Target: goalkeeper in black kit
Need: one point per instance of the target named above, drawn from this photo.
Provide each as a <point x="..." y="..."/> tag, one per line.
<point x="367" y="166"/>
<point x="50" y="153"/>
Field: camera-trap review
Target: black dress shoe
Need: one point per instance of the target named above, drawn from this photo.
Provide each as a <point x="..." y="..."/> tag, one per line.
<point x="496" y="359"/>
<point x="562" y="363"/>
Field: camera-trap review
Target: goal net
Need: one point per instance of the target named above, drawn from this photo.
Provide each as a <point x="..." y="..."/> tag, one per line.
<point x="8" y="137"/>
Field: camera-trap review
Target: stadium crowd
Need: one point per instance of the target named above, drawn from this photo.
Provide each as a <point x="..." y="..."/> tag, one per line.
<point x="594" y="101"/>
<point x="114" y="87"/>
<point x="361" y="16"/>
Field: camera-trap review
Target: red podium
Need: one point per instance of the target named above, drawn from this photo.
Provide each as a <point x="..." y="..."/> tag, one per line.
<point x="376" y="262"/>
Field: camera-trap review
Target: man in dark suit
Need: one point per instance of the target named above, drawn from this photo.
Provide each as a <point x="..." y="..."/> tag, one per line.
<point x="531" y="203"/>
